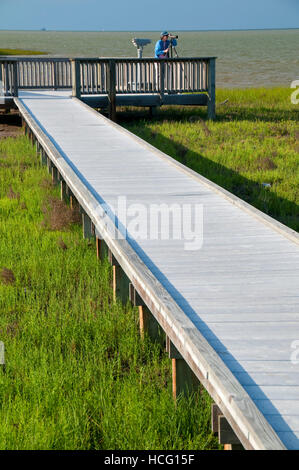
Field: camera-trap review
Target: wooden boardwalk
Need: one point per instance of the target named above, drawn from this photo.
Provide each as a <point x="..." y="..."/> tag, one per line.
<point x="231" y="307"/>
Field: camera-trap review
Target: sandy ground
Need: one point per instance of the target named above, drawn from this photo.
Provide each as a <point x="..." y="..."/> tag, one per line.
<point x="10" y="124"/>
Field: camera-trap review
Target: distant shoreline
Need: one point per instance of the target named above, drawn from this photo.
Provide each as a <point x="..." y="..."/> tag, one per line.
<point x="143" y="30"/>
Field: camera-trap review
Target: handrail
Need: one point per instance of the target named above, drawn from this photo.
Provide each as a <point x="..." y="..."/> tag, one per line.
<point x="112" y="76"/>
<point x="144" y="76"/>
<point x="8" y="77"/>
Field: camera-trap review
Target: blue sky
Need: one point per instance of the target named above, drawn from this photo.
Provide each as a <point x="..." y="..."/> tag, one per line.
<point x="157" y="15"/>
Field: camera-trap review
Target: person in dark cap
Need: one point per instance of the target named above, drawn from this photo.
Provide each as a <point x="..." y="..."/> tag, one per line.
<point x="162" y="46"/>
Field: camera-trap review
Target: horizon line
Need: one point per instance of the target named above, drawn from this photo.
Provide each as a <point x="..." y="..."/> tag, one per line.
<point x="44" y="30"/>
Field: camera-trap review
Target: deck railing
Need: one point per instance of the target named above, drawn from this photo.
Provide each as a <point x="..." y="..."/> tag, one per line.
<point x="44" y="73"/>
<point x="112" y="77"/>
<point x="34" y="73"/>
<point x="142" y="75"/>
<point x="8" y="78"/>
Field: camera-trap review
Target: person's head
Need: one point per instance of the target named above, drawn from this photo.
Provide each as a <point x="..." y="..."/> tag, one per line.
<point x="164" y="35"/>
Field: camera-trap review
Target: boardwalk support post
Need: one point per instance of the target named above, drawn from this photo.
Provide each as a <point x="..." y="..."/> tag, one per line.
<point x="211" y="89"/>
<point x="76" y="78"/>
<point x="112" y="90"/>
<point x="74" y="204"/>
<point x="120" y="281"/>
<point x="102" y="249"/>
<point x="49" y="165"/>
<point x="222" y="428"/>
<point x="183" y="379"/>
<point x="55" y="176"/>
<point x="43" y="157"/>
<point x="87" y="226"/>
<point x="147" y="322"/>
<point x="63" y="192"/>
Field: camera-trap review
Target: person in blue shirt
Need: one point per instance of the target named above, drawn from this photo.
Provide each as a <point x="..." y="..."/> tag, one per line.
<point x="163" y="45"/>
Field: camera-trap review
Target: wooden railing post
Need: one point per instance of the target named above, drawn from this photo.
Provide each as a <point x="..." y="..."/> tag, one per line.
<point x="15" y="90"/>
<point x="54" y="72"/>
<point x="5" y="78"/>
<point x="1" y="78"/>
<point x="76" y="78"/>
<point x="211" y="88"/>
<point x="162" y="77"/>
<point x="183" y="379"/>
<point x="112" y="90"/>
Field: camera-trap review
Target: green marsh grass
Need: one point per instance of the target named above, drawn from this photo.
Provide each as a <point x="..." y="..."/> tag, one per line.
<point x="254" y="140"/>
<point x="77" y="375"/>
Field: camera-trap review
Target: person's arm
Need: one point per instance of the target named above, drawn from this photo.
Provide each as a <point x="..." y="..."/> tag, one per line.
<point x="159" y="49"/>
<point x="173" y="41"/>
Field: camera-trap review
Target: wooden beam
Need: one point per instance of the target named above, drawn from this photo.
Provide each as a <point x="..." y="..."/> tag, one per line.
<point x="74" y="204"/>
<point x="15" y="79"/>
<point x="76" y="78"/>
<point x="211" y="89"/>
<point x="134" y="297"/>
<point x="215" y="413"/>
<point x="183" y="379"/>
<point x="86" y="226"/>
<point x="112" y="90"/>
<point x="43" y="157"/>
<point x="24" y="126"/>
<point x="63" y="191"/>
<point x="162" y="77"/>
<point x="147" y="322"/>
<point x="233" y="447"/>
<point x="102" y="249"/>
<point x="54" y="174"/>
<point x="49" y="165"/>
<point x="120" y="281"/>
<point x="226" y="435"/>
<point x="222" y="428"/>
<point x="153" y="111"/>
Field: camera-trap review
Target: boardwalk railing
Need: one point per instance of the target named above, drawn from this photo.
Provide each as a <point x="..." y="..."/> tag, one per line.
<point x="101" y="76"/>
<point x="143" y="75"/>
<point x="44" y="73"/>
<point x="8" y="78"/>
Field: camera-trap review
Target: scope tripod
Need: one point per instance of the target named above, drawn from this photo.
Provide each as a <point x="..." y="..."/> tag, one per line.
<point x="173" y="49"/>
